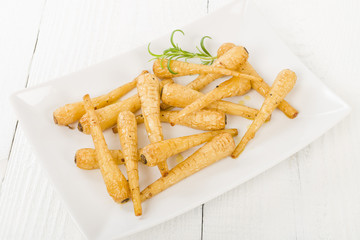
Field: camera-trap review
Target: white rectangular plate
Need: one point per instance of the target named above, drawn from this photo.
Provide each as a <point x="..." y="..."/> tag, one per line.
<point x="84" y="192"/>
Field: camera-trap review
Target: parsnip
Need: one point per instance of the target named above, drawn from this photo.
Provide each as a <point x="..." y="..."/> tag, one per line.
<point x="224" y="48"/>
<point x="85" y="158"/>
<point x="72" y="112"/>
<point x="207" y="120"/>
<point x="116" y="184"/>
<point x="282" y="85"/>
<point x="204" y="79"/>
<point x="219" y="147"/>
<point x="180" y="96"/>
<point x="226" y="89"/>
<point x="260" y="86"/>
<point x="185" y="68"/>
<point x="232" y="59"/>
<point x="108" y="115"/>
<point x="127" y="128"/>
<point x="154" y="153"/>
<point x="149" y="94"/>
<point x="263" y="88"/>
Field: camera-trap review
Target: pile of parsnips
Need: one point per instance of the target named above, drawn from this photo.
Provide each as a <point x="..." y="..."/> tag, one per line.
<point x="155" y="98"/>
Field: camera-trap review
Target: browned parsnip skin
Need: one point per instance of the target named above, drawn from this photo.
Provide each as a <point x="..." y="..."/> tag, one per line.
<point x="185" y="68"/>
<point x="204" y="79"/>
<point x="232" y="59"/>
<point x="108" y="115"/>
<point x="180" y="96"/>
<point x="260" y="86"/>
<point x="85" y="158"/>
<point x="116" y="184"/>
<point x="127" y="128"/>
<point x="72" y="112"/>
<point x="224" y="48"/>
<point x="282" y="85"/>
<point x="226" y="89"/>
<point x="218" y="148"/>
<point x="149" y="93"/>
<point x="263" y="88"/>
<point x="247" y="84"/>
<point x="207" y="120"/>
<point x="160" y="151"/>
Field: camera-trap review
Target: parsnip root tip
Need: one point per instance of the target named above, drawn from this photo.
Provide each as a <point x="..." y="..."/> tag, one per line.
<point x="55" y="120"/>
<point x="143" y="159"/>
<point x="80" y="127"/>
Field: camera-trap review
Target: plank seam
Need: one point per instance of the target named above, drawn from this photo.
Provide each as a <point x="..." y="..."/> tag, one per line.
<point x="11" y="146"/>
<point x="36" y="42"/>
<point x="202" y="221"/>
<point x="26" y="84"/>
<point x="298" y="172"/>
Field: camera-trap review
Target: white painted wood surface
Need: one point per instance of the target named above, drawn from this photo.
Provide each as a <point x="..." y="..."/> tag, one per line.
<point x="312" y="195"/>
<point x="19" y="24"/>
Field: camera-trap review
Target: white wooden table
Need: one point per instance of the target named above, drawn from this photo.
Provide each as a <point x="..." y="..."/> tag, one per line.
<point x="314" y="194"/>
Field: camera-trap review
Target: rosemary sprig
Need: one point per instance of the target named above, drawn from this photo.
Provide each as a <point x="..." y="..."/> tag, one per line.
<point x="175" y="52"/>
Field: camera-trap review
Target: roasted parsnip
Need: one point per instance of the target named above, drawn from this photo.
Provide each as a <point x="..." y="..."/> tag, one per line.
<point x="207" y="120"/>
<point x="226" y="89"/>
<point x="232" y="59"/>
<point x="127" y="128"/>
<point x="85" y="158"/>
<point x="185" y="68"/>
<point x="149" y="93"/>
<point x="108" y="115"/>
<point x="224" y="48"/>
<point x="219" y="147"/>
<point x="154" y="153"/>
<point x="72" y="112"/>
<point x="180" y="96"/>
<point x="116" y="184"/>
<point x="263" y="88"/>
<point x="282" y="85"/>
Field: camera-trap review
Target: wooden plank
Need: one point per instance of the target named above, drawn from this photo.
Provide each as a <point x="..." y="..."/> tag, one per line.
<point x="314" y="194"/>
<point x="30" y="209"/>
<point x="74" y="39"/>
<point x="74" y="35"/>
<point x="258" y="209"/>
<point x="19" y="27"/>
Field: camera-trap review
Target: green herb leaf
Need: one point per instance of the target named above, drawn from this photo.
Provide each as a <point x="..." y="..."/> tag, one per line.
<point x="175" y="52"/>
